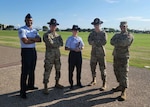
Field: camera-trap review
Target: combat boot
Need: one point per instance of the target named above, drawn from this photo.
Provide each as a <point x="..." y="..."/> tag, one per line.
<point x="123" y="95"/>
<point x="57" y="85"/>
<point x="103" y="88"/>
<point x="45" y="91"/>
<point x="93" y="82"/>
<point x="119" y="88"/>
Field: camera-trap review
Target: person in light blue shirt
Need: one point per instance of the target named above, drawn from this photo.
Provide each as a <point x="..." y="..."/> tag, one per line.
<point x="28" y="37"/>
<point x="75" y="45"/>
<point x="26" y="32"/>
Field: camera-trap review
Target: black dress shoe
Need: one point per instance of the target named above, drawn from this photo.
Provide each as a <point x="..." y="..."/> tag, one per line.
<point x="32" y="88"/>
<point x="23" y="95"/>
<point x="71" y="87"/>
<point x="80" y="85"/>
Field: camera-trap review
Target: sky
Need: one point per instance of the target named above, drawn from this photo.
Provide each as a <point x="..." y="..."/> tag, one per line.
<point x="78" y="12"/>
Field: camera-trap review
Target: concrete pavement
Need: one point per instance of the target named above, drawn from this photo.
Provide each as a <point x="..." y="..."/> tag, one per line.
<point x="138" y="94"/>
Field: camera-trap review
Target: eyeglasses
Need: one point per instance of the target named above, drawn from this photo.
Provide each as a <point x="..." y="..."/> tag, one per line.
<point x="123" y="26"/>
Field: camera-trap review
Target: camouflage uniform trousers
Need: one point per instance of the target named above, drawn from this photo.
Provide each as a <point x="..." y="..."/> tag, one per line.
<point x="52" y="58"/>
<point x="121" y="68"/>
<point x="102" y="66"/>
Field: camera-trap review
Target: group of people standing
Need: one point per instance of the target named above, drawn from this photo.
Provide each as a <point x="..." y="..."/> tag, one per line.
<point x="74" y="44"/>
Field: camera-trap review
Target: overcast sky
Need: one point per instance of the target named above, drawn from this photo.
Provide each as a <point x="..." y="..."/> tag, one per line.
<point x="79" y="12"/>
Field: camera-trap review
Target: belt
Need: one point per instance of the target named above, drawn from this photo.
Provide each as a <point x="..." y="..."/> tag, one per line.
<point x="74" y="51"/>
<point x="28" y="48"/>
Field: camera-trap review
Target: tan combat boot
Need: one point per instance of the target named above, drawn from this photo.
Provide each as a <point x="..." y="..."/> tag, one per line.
<point x="119" y="88"/>
<point x="123" y="95"/>
<point x="103" y="88"/>
<point x="93" y="82"/>
<point x="45" y="91"/>
<point x="57" y="85"/>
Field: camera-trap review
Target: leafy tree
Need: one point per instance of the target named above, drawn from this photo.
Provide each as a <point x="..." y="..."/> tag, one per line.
<point x="10" y="27"/>
<point x="45" y="28"/>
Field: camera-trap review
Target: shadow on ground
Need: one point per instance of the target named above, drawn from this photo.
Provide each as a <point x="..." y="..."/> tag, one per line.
<point x="57" y="98"/>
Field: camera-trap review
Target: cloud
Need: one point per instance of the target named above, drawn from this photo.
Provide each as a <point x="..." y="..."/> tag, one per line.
<point x="112" y="1"/>
<point x="133" y="18"/>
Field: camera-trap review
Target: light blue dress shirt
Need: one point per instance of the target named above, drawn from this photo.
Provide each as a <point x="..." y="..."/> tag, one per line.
<point x="25" y="32"/>
<point x="74" y="42"/>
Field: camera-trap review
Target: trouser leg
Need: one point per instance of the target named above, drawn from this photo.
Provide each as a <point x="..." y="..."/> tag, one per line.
<point x="31" y="79"/>
<point x="58" y="74"/>
<point x="57" y="69"/>
<point x="71" y="69"/>
<point x="93" y="63"/>
<point x="47" y="71"/>
<point x="71" y="61"/>
<point x="124" y="69"/>
<point x="102" y="67"/>
<point x="79" y="67"/>
<point x="116" y="69"/>
<point x="23" y="80"/>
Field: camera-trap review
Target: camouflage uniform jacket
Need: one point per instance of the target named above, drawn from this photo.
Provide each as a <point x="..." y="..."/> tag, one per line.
<point x="98" y="41"/>
<point x="52" y="41"/>
<point x="121" y="43"/>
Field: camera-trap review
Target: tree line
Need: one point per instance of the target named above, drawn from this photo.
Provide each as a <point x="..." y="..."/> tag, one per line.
<point x="45" y="28"/>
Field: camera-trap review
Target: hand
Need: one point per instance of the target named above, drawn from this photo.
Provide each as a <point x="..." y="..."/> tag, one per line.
<point x="98" y="43"/>
<point x="77" y="50"/>
<point x="37" y="39"/>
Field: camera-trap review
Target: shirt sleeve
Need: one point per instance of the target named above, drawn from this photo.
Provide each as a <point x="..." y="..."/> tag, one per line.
<point x="90" y="39"/>
<point x="103" y="40"/>
<point x="82" y="43"/>
<point x="67" y="43"/>
<point x="22" y="33"/>
<point x="127" y="41"/>
<point x="37" y="33"/>
<point x="113" y="40"/>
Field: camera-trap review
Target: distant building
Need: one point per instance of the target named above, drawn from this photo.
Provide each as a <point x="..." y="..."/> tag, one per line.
<point x="2" y="26"/>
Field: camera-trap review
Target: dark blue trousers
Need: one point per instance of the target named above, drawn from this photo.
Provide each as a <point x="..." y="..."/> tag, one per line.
<point x="29" y="57"/>
<point x="75" y="60"/>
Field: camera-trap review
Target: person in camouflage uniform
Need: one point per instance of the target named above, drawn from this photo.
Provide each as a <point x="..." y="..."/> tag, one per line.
<point x="98" y="39"/>
<point x="121" y="42"/>
<point x="52" y="55"/>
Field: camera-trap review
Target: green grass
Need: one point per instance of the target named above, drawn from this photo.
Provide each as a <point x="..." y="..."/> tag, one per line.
<point x="139" y="51"/>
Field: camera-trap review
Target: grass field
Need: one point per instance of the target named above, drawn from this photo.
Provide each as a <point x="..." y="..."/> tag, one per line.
<point x="139" y="51"/>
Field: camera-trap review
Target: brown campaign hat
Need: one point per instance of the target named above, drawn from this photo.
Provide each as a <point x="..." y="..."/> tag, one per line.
<point x="53" y="22"/>
<point x="75" y="27"/>
<point x="97" y="21"/>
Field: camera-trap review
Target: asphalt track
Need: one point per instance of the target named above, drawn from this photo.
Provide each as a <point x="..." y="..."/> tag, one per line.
<point x="138" y="93"/>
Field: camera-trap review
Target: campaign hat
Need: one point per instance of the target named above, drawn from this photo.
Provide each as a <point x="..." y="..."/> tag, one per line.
<point x="97" y="21"/>
<point x="53" y="22"/>
<point x="75" y="27"/>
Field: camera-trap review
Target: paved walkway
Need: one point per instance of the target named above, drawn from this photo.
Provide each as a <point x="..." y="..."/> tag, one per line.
<point x="138" y="94"/>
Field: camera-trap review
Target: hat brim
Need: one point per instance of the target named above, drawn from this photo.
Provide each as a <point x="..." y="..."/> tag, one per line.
<point x="97" y="23"/>
<point x="76" y="29"/>
<point x="52" y="23"/>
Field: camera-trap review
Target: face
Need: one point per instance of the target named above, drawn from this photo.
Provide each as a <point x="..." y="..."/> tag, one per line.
<point x="123" y="28"/>
<point x="74" y="32"/>
<point x="29" y="22"/>
<point x="97" y="26"/>
<point x="52" y="27"/>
